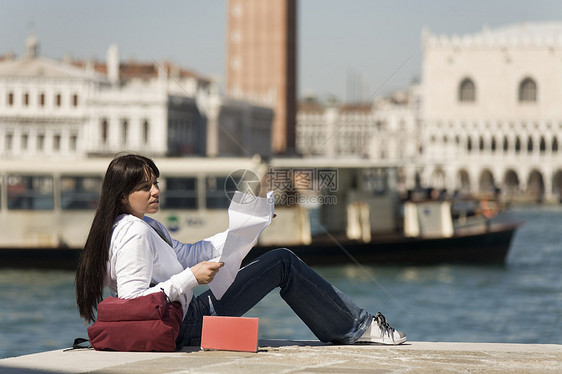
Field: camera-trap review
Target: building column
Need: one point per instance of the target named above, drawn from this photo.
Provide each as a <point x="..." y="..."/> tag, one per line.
<point x="547" y="175"/>
<point x="331" y="115"/>
<point x="212" y="119"/>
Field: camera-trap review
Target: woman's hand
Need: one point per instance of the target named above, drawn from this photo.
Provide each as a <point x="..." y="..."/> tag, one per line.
<point x="205" y="271"/>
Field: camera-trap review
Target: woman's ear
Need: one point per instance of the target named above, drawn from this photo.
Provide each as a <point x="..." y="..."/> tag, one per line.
<point x="124" y="202"/>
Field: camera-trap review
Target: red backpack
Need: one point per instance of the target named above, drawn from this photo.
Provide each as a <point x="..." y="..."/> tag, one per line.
<point x="145" y="323"/>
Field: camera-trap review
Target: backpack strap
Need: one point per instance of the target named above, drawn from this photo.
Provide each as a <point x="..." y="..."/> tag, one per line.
<point x="79" y="343"/>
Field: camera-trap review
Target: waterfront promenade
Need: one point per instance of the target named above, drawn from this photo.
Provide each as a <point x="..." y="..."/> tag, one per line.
<point x="283" y="356"/>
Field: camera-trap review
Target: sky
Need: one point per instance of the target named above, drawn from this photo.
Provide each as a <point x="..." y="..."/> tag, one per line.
<point x="342" y="44"/>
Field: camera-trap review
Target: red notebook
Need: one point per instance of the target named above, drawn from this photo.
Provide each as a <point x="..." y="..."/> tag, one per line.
<point x="230" y="333"/>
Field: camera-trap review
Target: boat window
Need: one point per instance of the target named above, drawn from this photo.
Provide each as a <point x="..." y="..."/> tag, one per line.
<point x="180" y="193"/>
<point x="375" y="181"/>
<point x="30" y="192"/>
<point x="219" y="191"/>
<point x="80" y="192"/>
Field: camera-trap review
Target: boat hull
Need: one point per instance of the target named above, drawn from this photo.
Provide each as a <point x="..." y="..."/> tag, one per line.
<point x="489" y="247"/>
<point x="39" y="258"/>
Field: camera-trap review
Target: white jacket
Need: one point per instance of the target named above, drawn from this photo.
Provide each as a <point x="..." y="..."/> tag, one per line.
<point x="139" y="257"/>
<point x="142" y="253"/>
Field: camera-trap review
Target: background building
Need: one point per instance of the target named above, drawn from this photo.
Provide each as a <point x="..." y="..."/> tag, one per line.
<point x="261" y="61"/>
<point x="386" y="130"/>
<point x="486" y="119"/>
<point x="491" y="111"/>
<point x="68" y="108"/>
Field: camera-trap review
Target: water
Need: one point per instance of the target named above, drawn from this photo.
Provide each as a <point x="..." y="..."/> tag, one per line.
<point x="517" y="303"/>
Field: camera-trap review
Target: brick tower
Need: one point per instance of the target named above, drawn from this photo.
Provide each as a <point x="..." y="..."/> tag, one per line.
<point x="261" y="61"/>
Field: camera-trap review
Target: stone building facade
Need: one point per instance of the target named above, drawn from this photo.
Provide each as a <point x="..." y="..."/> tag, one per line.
<point x="491" y="111"/>
<point x="386" y="131"/>
<point x="71" y="109"/>
<point x="485" y="120"/>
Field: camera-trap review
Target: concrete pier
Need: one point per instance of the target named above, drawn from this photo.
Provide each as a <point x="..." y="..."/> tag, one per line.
<point x="283" y="356"/>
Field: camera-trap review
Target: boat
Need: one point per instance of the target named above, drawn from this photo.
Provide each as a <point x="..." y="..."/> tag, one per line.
<point x="374" y="225"/>
<point x="478" y="245"/>
<point x="329" y="212"/>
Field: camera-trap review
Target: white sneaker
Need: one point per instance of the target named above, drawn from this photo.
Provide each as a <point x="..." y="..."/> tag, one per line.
<point x="380" y="332"/>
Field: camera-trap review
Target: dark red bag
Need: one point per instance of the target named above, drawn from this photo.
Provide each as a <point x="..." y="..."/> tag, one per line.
<point x="145" y="323"/>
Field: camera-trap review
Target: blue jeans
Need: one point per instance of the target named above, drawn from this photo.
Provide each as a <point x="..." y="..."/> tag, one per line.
<point x="331" y="315"/>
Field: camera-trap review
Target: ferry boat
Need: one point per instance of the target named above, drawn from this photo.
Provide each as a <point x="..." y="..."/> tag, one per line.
<point x="372" y="224"/>
<point x="329" y="211"/>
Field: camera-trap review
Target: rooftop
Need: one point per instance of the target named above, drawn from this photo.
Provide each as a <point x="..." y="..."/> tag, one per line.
<point x="34" y="65"/>
<point x="524" y="34"/>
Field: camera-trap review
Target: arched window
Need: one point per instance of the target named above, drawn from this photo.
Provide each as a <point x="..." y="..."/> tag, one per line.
<point x="145" y="132"/>
<point x="104" y="131"/>
<point x="493" y="145"/>
<point x="527" y="90"/>
<point x="467" y="91"/>
<point x="530" y="144"/>
<point x="40" y="142"/>
<point x="481" y="144"/>
<point x="555" y="145"/>
<point x="469" y="144"/>
<point x="542" y="145"/>
<point x="124" y="131"/>
<point x="517" y="145"/>
<point x="505" y="144"/>
<point x="73" y="142"/>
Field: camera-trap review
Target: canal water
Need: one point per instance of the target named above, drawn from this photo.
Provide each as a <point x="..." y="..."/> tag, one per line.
<point x="520" y="302"/>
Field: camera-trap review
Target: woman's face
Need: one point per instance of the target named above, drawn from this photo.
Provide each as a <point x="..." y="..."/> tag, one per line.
<point x="145" y="198"/>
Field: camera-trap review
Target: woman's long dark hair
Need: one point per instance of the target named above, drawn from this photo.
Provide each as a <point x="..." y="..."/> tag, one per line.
<point x="123" y="174"/>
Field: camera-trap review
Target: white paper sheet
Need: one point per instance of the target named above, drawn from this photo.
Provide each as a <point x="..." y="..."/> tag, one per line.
<point x="248" y="216"/>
